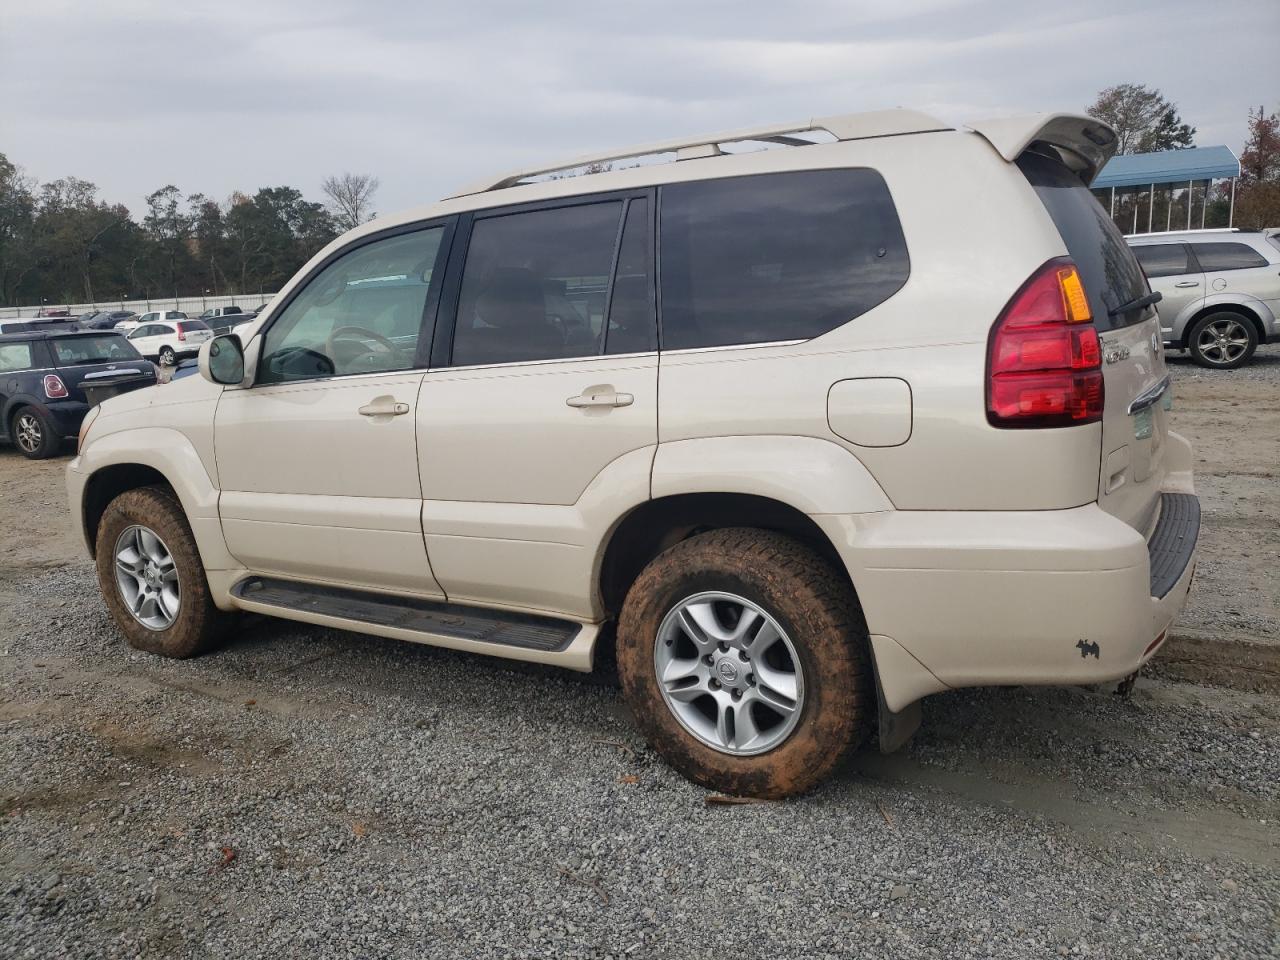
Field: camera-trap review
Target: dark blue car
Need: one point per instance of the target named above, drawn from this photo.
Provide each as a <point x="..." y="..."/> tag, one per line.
<point x="49" y="380"/>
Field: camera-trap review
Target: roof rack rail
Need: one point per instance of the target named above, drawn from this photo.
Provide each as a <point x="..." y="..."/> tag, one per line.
<point x="852" y="126"/>
<point x="1170" y="233"/>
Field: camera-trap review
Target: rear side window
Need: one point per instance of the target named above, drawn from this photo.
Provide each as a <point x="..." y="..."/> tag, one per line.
<point x="15" y="357"/>
<point x="70" y="351"/>
<point x="1163" y="259"/>
<point x="1107" y="266"/>
<point x="783" y="256"/>
<point x="175" y="315"/>
<point x="536" y="283"/>
<point x="1227" y="256"/>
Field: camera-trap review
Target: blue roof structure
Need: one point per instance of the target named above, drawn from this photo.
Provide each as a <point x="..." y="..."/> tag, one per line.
<point x="1168" y="166"/>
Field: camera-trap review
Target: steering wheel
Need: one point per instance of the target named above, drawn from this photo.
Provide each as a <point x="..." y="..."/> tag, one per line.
<point x="330" y="342"/>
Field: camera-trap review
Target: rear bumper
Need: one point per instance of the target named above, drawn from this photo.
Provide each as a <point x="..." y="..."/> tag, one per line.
<point x="67" y="415"/>
<point x="955" y="599"/>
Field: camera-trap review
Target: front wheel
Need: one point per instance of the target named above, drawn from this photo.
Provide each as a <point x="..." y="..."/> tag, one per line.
<point x="743" y="655"/>
<point x="167" y="357"/>
<point x="1222" y="341"/>
<point x="151" y="577"/>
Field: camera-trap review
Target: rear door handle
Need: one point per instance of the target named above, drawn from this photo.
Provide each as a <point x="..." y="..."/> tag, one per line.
<point x="383" y="407"/>
<point x="601" y="396"/>
<point x="1187" y="283"/>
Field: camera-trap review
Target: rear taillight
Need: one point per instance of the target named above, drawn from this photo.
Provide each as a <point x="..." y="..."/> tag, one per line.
<point x="1044" y="363"/>
<point x="182" y="334"/>
<point x="54" y="388"/>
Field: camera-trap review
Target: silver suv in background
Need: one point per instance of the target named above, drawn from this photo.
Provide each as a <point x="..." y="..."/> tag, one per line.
<point x="1221" y="291"/>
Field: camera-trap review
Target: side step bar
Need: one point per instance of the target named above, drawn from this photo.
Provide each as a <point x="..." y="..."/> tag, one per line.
<point x="503" y="633"/>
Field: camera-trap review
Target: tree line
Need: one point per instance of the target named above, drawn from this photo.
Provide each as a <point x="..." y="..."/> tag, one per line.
<point x="60" y="243"/>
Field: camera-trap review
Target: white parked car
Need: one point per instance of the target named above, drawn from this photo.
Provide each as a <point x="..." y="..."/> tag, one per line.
<point x="815" y="431"/>
<point x="168" y="341"/>
<point x="124" y="326"/>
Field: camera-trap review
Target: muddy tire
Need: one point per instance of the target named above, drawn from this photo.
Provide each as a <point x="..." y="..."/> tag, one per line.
<point x="779" y="586"/>
<point x="151" y="576"/>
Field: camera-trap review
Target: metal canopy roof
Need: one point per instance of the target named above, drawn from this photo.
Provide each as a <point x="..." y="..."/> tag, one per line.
<point x="1168" y="166"/>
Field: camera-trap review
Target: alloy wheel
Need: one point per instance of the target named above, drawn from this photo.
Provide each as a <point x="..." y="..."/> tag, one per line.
<point x="147" y="578"/>
<point x="729" y="673"/>
<point x="28" y="433"/>
<point x="1223" y="341"/>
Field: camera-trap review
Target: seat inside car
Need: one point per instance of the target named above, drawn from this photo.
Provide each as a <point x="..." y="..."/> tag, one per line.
<point x="512" y="322"/>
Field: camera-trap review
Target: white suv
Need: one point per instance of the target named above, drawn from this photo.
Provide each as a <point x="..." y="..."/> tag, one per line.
<point x="818" y="430"/>
<point x="167" y="341"/>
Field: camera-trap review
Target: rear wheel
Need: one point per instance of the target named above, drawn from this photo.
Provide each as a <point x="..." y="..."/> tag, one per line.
<point x="743" y="655"/>
<point x="33" y="434"/>
<point x="167" y="357"/>
<point x="151" y="577"/>
<point x="1222" y="340"/>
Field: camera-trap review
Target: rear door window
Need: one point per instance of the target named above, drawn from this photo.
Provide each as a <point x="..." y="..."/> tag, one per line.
<point x="775" y="257"/>
<point x="1107" y="266"/>
<point x="1163" y="259"/>
<point x="632" y="328"/>
<point x="535" y="285"/>
<point x="1227" y="256"/>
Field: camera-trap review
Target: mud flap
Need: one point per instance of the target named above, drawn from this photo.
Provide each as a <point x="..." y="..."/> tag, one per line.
<point x="895" y="729"/>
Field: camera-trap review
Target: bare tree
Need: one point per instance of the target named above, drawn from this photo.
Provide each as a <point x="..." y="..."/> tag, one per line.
<point x="1143" y="119"/>
<point x="350" y="198"/>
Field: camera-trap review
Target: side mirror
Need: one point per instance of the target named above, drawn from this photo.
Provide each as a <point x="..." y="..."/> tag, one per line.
<point x="222" y="360"/>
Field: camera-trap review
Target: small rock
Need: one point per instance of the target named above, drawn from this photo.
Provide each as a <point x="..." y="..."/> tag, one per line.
<point x="899" y="892"/>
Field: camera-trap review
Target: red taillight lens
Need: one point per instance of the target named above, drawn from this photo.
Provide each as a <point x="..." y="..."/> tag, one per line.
<point x="182" y="334"/>
<point x="54" y="388"/>
<point x="1044" y="365"/>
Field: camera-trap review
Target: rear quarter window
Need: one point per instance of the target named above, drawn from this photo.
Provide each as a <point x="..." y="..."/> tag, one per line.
<point x="15" y="357"/>
<point x="782" y="256"/>
<point x="1227" y="256"/>
<point x="1107" y="266"/>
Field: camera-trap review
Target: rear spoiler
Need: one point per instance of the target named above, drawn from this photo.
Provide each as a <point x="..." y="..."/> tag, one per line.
<point x="1082" y="143"/>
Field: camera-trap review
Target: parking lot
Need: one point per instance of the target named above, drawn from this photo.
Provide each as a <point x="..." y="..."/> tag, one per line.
<point x="309" y="792"/>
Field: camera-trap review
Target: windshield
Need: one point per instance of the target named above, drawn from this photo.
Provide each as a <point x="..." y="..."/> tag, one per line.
<point x="69" y="351"/>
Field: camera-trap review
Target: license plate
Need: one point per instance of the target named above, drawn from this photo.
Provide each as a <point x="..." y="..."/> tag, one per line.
<point x="1142" y="424"/>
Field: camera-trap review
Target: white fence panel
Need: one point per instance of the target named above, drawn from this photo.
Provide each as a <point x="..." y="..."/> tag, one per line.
<point x="192" y="306"/>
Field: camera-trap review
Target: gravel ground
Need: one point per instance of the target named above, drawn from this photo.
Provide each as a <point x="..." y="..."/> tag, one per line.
<point x="316" y="793"/>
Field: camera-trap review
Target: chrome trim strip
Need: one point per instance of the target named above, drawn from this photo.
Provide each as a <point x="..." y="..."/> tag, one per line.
<point x="732" y="346"/>
<point x="542" y="363"/>
<point x="1149" y="396"/>
<point x="101" y="374"/>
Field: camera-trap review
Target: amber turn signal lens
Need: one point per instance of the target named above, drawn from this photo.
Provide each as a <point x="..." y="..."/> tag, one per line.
<point x="1073" y="296"/>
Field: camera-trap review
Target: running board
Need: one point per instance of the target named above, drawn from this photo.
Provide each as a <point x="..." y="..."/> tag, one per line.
<point x="499" y="632"/>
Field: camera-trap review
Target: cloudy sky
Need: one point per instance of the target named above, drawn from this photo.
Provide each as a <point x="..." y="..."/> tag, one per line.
<point x="223" y="95"/>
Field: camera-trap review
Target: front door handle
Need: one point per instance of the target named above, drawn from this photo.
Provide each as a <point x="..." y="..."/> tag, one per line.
<point x="383" y="407"/>
<point x="1187" y="283"/>
<point x="602" y="395"/>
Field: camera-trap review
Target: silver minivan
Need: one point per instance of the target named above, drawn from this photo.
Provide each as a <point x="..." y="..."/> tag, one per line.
<point x="1221" y="291"/>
